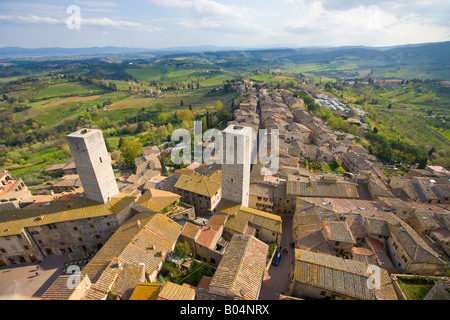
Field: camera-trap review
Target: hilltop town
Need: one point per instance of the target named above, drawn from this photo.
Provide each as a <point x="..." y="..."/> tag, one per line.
<point x="313" y="230"/>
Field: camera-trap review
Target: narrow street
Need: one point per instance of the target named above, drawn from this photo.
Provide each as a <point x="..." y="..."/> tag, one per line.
<point x="276" y="280"/>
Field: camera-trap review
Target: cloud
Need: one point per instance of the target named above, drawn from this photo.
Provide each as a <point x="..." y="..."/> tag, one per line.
<point x="101" y="22"/>
<point x="215" y="16"/>
<point x="32" y="19"/>
<point x="363" y="24"/>
<point x="97" y="4"/>
<point x="205" y="8"/>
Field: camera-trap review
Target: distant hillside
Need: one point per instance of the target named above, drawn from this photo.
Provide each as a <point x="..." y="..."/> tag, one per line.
<point x="429" y="60"/>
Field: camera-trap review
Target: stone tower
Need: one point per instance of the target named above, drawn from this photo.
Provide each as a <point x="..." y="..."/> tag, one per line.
<point x="237" y="151"/>
<point x="93" y="164"/>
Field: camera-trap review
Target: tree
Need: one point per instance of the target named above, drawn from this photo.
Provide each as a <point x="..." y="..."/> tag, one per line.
<point x="130" y="151"/>
<point x="423" y="163"/>
<point x="185" y="115"/>
<point x="433" y="150"/>
<point x="196" y="272"/>
<point x="159" y="106"/>
<point x="375" y="130"/>
<point x="354" y="130"/>
<point x="162" y="118"/>
<point x="108" y="146"/>
<point x="183" y="249"/>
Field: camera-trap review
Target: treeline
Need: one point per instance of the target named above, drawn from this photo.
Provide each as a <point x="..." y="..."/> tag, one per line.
<point x="394" y="151"/>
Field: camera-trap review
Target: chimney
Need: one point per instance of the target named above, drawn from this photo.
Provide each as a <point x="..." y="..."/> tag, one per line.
<point x="142" y="279"/>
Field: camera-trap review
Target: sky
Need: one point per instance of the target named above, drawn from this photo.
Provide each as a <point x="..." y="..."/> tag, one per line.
<point x="157" y="24"/>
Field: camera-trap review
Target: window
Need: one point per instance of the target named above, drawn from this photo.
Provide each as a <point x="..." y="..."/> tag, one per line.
<point x="323" y="293"/>
<point x="97" y="236"/>
<point x="336" y="243"/>
<point x="19" y="236"/>
<point x="75" y="228"/>
<point x="40" y="241"/>
<point x="213" y="261"/>
<point x="80" y="239"/>
<point x="101" y="160"/>
<point x="395" y="246"/>
<point x="34" y="232"/>
<point x="26" y="247"/>
<point x="108" y="224"/>
<point x="2" y="250"/>
<point x="52" y="226"/>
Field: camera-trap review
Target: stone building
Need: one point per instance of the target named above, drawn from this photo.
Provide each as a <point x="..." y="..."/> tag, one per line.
<point x="236" y="164"/>
<point x="12" y="191"/>
<point x="320" y="276"/>
<point x="93" y="164"/>
<point x="410" y="253"/>
<point x="71" y="224"/>
<point x="203" y="192"/>
<point x="241" y="270"/>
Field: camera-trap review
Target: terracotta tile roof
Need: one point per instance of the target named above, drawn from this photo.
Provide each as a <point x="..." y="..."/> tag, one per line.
<point x="322" y="189"/>
<point x="191" y="231"/>
<point x="338" y="231"/>
<point x="199" y="184"/>
<point x="59" y="289"/>
<point x="99" y="290"/>
<point x="416" y="248"/>
<point x="241" y="268"/>
<point x="355" y="224"/>
<point x="127" y="280"/>
<point x="73" y="208"/>
<point x="383" y="259"/>
<point x="68" y="181"/>
<point x="217" y="220"/>
<point x="240" y="217"/>
<point x="206" y="237"/>
<point x="343" y="276"/>
<point x="204" y="282"/>
<point x="146" y="291"/>
<point x="172" y="291"/>
<point x="133" y="244"/>
<point x="156" y="200"/>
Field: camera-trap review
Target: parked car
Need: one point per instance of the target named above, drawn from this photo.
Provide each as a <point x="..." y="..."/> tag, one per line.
<point x="276" y="259"/>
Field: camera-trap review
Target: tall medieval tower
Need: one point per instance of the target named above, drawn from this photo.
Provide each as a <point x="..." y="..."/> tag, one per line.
<point x="93" y="164"/>
<point x="237" y="151"/>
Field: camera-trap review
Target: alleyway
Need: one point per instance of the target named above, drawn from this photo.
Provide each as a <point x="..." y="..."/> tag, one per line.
<point x="276" y="280"/>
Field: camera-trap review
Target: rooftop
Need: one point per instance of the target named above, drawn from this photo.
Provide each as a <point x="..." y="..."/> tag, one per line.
<point x="241" y="268"/>
<point x="200" y="184"/>
<point x="156" y="200"/>
<point x="68" y="208"/>
<point x="343" y="276"/>
<point x="145" y="238"/>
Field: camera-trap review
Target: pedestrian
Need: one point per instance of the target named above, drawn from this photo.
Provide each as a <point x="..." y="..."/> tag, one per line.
<point x="37" y="268"/>
<point x="37" y="273"/>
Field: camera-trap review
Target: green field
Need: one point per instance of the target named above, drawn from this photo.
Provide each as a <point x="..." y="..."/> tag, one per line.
<point x="68" y="89"/>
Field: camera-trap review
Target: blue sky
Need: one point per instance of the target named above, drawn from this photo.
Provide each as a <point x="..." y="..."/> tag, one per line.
<point x="229" y="23"/>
